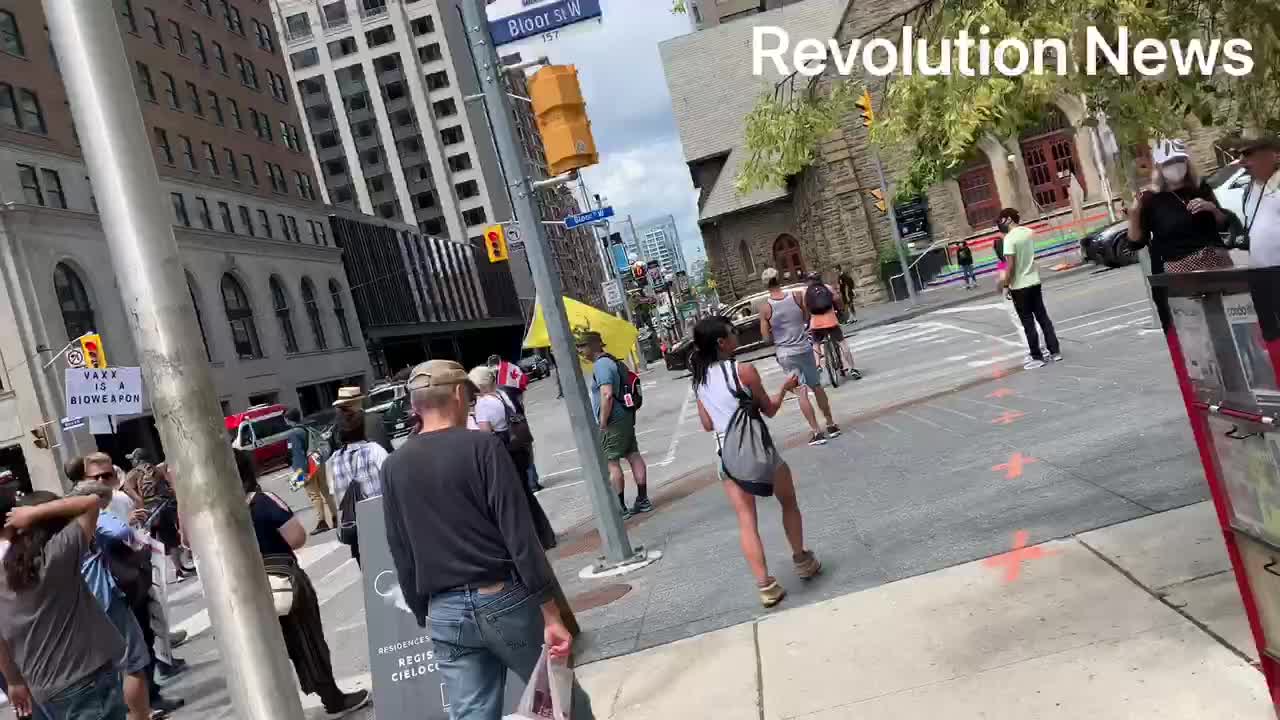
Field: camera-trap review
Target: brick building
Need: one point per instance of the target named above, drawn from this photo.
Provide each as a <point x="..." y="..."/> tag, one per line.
<point x="825" y="215"/>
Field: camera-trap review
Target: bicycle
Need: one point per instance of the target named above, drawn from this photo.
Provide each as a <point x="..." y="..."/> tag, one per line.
<point x="833" y="358"/>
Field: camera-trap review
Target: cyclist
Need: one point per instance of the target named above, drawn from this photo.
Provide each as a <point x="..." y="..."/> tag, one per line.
<point x="824" y="308"/>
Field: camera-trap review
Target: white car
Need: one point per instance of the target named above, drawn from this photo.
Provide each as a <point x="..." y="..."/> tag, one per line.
<point x="1229" y="183"/>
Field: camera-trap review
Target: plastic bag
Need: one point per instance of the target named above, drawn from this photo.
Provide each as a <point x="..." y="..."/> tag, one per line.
<point x="549" y="693"/>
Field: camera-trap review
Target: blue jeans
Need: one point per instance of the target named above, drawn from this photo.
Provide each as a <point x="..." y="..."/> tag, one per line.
<point x="478" y="637"/>
<point x="969" y="275"/>
<point x="97" y="697"/>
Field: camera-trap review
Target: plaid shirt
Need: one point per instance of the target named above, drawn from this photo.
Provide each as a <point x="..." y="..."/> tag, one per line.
<point x="360" y="461"/>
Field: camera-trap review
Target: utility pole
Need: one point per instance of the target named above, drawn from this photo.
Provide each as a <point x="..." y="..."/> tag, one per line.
<point x="618" y="549"/>
<point x="897" y="235"/>
<point x="162" y="321"/>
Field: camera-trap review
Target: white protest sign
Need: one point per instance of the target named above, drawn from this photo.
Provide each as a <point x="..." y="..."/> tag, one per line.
<point x="111" y="391"/>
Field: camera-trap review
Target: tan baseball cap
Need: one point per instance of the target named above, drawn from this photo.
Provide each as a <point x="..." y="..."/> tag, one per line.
<point x="435" y="373"/>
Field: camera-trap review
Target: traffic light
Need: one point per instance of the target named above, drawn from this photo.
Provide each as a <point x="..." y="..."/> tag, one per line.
<point x="495" y="241"/>
<point x="868" y="112"/>
<point x="95" y="355"/>
<point x="640" y="274"/>
<point x="880" y="204"/>
<point x="561" y="114"/>
<point x="39" y="438"/>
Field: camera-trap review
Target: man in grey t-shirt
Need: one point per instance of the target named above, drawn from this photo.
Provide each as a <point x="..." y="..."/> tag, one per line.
<point x="56" y="644"/>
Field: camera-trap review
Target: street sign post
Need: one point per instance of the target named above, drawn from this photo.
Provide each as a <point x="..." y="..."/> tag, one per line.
<point x="573" y="221"/>
<point x="612" y="293"/>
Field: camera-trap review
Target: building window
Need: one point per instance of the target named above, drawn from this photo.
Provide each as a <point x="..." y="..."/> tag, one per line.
<point x="339" y="49"/>
<point x="162" y="144"/>
<point x="93" y="199"/>
<point x="284" y="226"/>
<point x="468" y="189"/>
<point x="324" y="239"/>
<point x="424" y="200"/>
<point x="438" y="80"/>
<point x="180" y="209"/>
<point x="277" y="87"/>
<point x="145" y="83"/>
<point x="30" y="116"/>
<point x="305" y="190"/>
<point x="194" y="93"/>
<point x="153" y="26"/>
<point x="262" y="36"/>
<point x="224" y="212"/>
<point x="130" y="21"/>
<point x="458" y="163"/>
<point x="423" y="25"/>
<point x="293" y="228"/>
<point x="979" y="194"/>
<point x="474" y="216"/>
<point x="202" y="208"/>
<point x="232" y="17"/>
<point x="264" y="221"/>
<point x="53" y="194"/>
<point x="276" y="176"/>
<point x="216" y="107"/>
<point x="313" y="313"/>
<point x="211" y="159"/>
<point x="246" y="219"/>
<point x="197" y="49"/>
<point x="305" y="58"/>
<point x="77" y="311"/>
<point x="452" y="135"/>
<point x="30" y="185"/>
<point x="229" y="159"/>
<point x="430" y="53"/>
<point x="188" y="153"/>
<point x="244" y="333"/>
<point x="334" y="15"/>
<point x="340" y="312"/>
<point x="297" y="27"/>
<point x="284" y="314"/>
<point x="195" y="303"/>
<point x="444" y="108"/>
<point x="206" y="7"/>
<point x="233" y="109"/>
<point x="219" y="57"/>
<point x="248" y="72"/>
<point x="250" y="169"/>
<point x="8" y="106"/>
<point x="179" y="40"/>
<point x="313" y="226"/>
<point x="10" y="38"/>
<point x="171" y="90"/>
<point x="380" y="36"/>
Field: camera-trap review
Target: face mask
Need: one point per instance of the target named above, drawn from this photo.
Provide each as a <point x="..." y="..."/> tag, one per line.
<point x="1174" y="173"/>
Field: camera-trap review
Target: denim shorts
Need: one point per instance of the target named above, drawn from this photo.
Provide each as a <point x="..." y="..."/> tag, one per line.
<point x="96" y="697"/>
<point x="806" y="365"/>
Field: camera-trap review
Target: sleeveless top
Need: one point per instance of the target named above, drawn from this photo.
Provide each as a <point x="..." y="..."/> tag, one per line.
<point x="716" y="395"/>
<point x="790" y="336"/>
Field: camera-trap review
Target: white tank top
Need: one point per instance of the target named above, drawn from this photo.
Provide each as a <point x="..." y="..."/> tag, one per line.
<point x="717" y="396"/>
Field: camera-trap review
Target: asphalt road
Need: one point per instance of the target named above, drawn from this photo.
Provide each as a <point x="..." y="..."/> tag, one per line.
<point x="949" y="449"/>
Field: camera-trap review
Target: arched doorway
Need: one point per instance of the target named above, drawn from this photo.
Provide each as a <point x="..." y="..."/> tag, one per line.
<point x="1050" y="154"/>
<point x="787" y="258"/>
<point x="979" y="194"/>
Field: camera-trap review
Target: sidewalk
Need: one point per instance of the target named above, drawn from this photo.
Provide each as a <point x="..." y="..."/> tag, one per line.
<point x="939" y="298"/>
<point x="1137" y="620"/>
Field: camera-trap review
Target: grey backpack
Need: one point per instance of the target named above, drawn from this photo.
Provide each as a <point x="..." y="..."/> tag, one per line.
<point x="747" y="454"/>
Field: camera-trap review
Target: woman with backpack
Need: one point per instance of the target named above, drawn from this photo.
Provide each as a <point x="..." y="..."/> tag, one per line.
<point x="731" y="402"/>
<point x="355" y="469"/>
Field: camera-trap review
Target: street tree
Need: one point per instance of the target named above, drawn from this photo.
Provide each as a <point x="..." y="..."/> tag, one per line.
<point x="935" y="122"/>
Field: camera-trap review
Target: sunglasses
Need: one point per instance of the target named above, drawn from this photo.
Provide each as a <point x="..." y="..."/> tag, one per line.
<point x="108" y="475"/>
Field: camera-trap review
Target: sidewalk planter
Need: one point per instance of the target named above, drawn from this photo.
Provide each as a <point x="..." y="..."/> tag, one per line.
<point x="1223" y="331"/>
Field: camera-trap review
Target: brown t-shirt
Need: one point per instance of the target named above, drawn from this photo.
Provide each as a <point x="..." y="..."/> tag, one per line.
<point x="57" y="633"/>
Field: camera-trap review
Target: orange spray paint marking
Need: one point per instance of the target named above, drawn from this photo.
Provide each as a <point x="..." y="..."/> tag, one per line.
<point x="1012" y="560"/>
<point x="1001" y="393"/>
<point x="1007" y="418"/>
<point x="1013" y="469"/>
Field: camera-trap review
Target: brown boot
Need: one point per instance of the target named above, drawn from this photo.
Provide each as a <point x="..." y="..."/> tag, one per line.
<point x="772" y="593"/>
<point x="807" y="565"/>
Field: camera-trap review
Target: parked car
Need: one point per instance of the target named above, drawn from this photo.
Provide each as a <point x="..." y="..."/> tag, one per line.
<point x="535" y="366"/>
<point x="745" y="316"/>
<point x="381" y="397"/>
<point x="397" y="418"/>
<point x="1110" y="246"/>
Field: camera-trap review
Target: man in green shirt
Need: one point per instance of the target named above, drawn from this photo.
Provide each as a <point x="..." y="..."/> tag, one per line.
<point x="1022" y="280"/>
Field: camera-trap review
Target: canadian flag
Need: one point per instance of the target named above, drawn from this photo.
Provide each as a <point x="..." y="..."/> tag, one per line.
<point x="510" y="375"/>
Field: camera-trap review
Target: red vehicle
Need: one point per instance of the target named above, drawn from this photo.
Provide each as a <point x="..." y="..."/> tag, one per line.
<point x="262" y="430"/>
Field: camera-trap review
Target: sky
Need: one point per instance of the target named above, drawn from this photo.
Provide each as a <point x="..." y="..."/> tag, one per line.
<point x="642" y="172"/>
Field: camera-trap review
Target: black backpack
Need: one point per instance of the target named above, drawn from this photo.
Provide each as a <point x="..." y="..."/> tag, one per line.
<point x="818" y="299"/>
<point x="348" y="534"/>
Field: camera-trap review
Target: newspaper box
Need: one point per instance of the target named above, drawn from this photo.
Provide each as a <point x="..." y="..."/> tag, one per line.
<point x="1223" y="331"/>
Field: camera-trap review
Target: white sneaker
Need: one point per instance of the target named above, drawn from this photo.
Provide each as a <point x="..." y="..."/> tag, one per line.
<point x="1033" y="364"/>
<point x="1057" y="357"/>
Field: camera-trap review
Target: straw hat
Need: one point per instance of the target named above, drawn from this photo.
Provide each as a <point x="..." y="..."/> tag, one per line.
<point x="348" y="396"/>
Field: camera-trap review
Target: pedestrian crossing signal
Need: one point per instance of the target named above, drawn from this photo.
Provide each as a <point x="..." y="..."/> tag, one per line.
<point x="866" y="110"/>
<point x="95" y="356"/>
<point x="880" y="204"/>
<point x="495" y="241"/>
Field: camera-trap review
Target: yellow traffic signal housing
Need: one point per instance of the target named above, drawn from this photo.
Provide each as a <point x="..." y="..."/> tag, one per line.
<point x="864" y="105"/>
<point x="40" y="438"/>
<point x="95" y="355"/>
<point x="561" y="114"/>
<point x="495" y="241"/>
<point x="880" y="204"/>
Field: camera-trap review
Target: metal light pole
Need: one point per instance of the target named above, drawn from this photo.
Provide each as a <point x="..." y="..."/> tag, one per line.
<point x="897" y="236"/>
<point x="162" y="321"/>
<point x="618" y="549"/>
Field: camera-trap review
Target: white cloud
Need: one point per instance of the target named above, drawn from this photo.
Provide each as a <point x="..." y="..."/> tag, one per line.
<point x="647" y="183"/>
